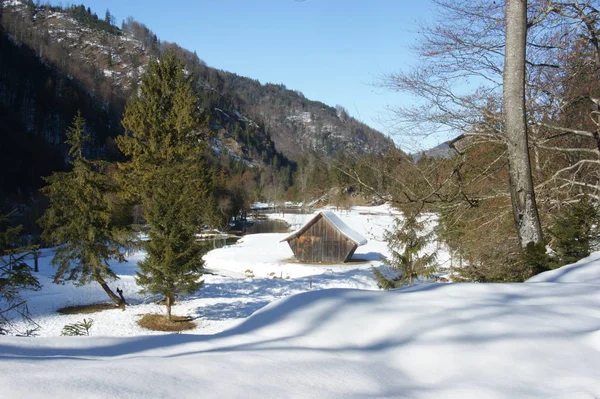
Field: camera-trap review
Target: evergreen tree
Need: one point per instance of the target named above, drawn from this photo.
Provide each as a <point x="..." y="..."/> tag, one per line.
<point x="174" y="260"/>
<point x="79" y="219"/>
<point x="167" y="174"/>
<point x="14" y="277"/>
<point x="406" y="243"/>
<point x="535" y="258"/>
<point x="451" y="230"/>
<point x="574" y="232"/>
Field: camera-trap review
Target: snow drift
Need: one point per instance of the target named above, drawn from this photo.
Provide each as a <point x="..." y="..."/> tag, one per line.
<point x="453" y="340"/>
<point x="586" y="270"/>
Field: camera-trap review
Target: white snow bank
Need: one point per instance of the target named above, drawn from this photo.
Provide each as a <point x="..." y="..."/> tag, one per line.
<point x="434" y="341"/>
<point x="586" y="270"/>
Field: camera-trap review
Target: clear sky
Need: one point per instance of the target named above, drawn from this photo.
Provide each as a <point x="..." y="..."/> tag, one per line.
<point x="331" y="50"/>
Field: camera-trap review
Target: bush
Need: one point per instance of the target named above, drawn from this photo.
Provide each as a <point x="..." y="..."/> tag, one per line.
<point x="535" y="258"/>
<point x="81" y="328"/>
<point x="384" y="282"/>
<point x="574" y="232"/>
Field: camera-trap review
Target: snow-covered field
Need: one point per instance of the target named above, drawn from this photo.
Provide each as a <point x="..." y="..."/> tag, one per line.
<point x="537" y="339"/>
<point x="248" y="275"/>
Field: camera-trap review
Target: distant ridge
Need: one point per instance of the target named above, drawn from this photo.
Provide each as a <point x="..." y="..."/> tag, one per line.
<point x="438" y="152"/>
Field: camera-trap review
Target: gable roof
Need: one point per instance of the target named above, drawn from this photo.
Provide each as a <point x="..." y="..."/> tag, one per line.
<point x="336" y="222"/>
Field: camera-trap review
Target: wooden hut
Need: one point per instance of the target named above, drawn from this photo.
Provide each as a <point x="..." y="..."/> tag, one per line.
<point x="325" y="238"/>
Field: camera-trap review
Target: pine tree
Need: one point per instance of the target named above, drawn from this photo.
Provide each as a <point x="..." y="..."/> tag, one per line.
<point x="174" y="260"/>
<point x="574" y="232"/>
<point x="166" y="173"/>
<point x="79" y="219"/>
<point x="14" y="277"/>
<point x="406" y="243"/>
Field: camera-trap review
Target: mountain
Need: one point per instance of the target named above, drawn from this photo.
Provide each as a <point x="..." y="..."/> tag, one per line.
<point x="439" y="151"/>
<point x="59" y="60"/>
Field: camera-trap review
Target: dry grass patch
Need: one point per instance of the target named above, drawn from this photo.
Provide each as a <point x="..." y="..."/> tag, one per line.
<point x="158" y="322"/>
<point x="87" y="309"/>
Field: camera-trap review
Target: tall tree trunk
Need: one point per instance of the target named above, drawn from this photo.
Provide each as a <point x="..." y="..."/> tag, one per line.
<point x="119" y="300"/>
<point x="521" y="186"/>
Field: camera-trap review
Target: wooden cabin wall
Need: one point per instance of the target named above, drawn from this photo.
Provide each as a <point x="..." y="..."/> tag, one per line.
<point x="322" y="242"/>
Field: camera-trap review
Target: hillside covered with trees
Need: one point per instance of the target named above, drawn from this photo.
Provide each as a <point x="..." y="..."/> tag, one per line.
<point x="57" y="61"/>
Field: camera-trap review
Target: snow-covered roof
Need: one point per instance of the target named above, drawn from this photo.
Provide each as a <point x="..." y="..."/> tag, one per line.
<point x="336" y="222"/>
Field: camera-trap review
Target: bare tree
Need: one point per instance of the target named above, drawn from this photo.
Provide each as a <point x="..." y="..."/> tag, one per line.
<point x="460" y="82"/>
<point x="521" y="185"/>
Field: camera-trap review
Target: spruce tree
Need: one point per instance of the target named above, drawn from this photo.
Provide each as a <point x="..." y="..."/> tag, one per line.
<point x="406" y="243"/>
<point x="574" y="232"/>
<point x="14" y="277"/>
<point x="167" y="174"/>
<point x="174" y="260"/>
<point x="79" y="219"/>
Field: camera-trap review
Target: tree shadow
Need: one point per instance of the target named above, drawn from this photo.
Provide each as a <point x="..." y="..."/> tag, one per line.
<point x="366" y="257"/>
<point x="456" y="316"/>
<point x="229" y="310"/>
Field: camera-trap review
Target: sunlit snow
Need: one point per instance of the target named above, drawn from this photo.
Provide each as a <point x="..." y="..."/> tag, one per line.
<point x="283" y="338"/>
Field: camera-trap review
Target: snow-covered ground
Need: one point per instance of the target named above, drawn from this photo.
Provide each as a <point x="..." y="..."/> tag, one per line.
<point x="585" y="270"/>
<point x="537" y="339"/>
<point x="248" y="275"/>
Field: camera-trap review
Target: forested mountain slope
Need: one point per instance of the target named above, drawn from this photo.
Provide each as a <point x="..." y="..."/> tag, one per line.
<point x="56" y="61"/>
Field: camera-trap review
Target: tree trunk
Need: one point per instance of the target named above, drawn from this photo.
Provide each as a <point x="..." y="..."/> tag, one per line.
<point x="168" y="303"/>
<point x="36" y="265"/>
<point x="521" y="186"/>
<point x="119" y="300"/>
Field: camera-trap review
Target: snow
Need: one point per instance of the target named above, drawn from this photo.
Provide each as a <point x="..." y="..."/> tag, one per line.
<point x="223" y="112"/>
<point x="12" y="3"/>
<point x="246" y="276"/>
<point x="325" y="331"/>
<point x="343" y="228"/>
<point x="304" y="117"/>
<point x="431" y="341"/>
<point x="335" y="221"/>
<point x="263" y="205"/>
<point x="586" y="270"/>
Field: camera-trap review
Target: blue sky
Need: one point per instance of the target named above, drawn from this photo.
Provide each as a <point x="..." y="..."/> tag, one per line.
<point x="331" y="50"/>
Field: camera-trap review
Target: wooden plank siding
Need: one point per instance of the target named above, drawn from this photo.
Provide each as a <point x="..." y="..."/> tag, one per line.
<point x="322" y="242"/>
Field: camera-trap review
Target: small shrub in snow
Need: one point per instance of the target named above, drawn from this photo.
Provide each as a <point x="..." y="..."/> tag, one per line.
<point x="274" y="276"/>
<point x="384" y="282"/>
<point x="81" y="328"/>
